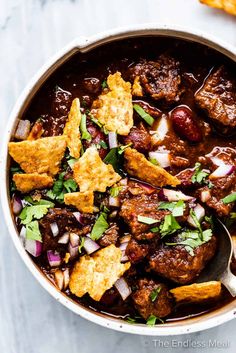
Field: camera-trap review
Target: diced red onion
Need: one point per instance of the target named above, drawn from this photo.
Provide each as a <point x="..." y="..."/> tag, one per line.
<point x="90" y="246"/>
<point x="112" y="139"/>
<point x="78" y="216"/>
<point x="54" y="258"/>
<point x="123" y="246"/>
<point x="66" y="275"/>
<point x="222" y="171"/>
<point x="74" y="251"/>
<point x="174" y="195"/>
<point x="64" y="238"/>
<point x="23" y="235"/>
<point x="125" y="238"/>
<point x="124" y="257"/>
<point x="123" y="182"/>
<point x="217" y="161"/>
<point x="59" y="279"/>
<point x="114" y="201"/>
<point x="161" y="130"/>
<point x="199" y="212"/>
<point x="149" y="189"/>
<point x="205" y="195"/>
<point x="23" y="129"/>
<point x="123" y="288"/>
<point x="74" y="239"/>
<point x="54" y="229"/>
<point x="34" y="247"/>
<point x="162" y="158"/>
<point x="16" y="205"/>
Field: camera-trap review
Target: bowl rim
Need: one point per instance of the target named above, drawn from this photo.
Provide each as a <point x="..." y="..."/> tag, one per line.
<point x="84" y="44"/>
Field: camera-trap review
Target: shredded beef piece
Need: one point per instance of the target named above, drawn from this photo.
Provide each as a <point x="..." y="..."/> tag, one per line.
<point x="136" y="252"/>
<point x="160" y="307"/>
<point x="141" y="205"/>
<point x="140" y="139"/>
<point x="160" y="79"/>
<point x="61" y="102"/>
<point x="175" y="262"/>
<point x="92" y="84"/>
<point x="110" y="236"/>
<point x="218" y="98"/>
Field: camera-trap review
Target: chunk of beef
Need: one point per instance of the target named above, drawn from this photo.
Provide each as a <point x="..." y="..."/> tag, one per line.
<point x="136" y="252"/>
<point x="218" y="97"/>
<point x="110" y="236"/>
<point x="176" y="263"/>
<point x="160" y="79"/>
<point x="65" y="221"/>
<point x="92" y="85"/>
<point x="185" y="177"/>
<point x="61" y="102"/>
<point x="140" y="139"/>
<point x="146" y="303"/>
<point x="141" y="205"/>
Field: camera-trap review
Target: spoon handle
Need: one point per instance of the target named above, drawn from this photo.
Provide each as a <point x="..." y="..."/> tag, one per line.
<point x="229" y="281"/>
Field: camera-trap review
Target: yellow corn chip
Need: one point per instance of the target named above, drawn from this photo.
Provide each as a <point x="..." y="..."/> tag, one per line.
<point x="96" y="274"/>
<point x="72" y="131"/>
<point x="40" y="156"/>
<point x="92" y="174"/>
<point x="226" y="5"/>
<point x="137" y="88"/>
<point x="137" y="165"/>
<point x="28" y="182"/>
<point x="114" y="109"/>
<point x="83" y="201"/>
<point x="197" y="292"/>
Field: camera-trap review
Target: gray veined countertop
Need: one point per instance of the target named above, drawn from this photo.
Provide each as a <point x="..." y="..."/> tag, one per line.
<point x="30" y="31"/>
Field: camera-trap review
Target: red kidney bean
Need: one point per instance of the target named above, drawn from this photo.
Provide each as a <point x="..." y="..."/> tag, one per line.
<point x="185" y="125"/>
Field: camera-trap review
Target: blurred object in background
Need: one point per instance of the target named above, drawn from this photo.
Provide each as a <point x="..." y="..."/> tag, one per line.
<point x="227" y="5"/>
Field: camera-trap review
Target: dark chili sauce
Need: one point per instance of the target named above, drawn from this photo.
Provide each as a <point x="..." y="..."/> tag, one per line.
<point x="82" y="76"/>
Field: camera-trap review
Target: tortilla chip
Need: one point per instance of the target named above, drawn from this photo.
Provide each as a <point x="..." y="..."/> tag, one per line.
<point x="71" y="129"/>
<point x="138" y="166"/>
<point x="114" y="109"/>
<point x="197" y="292"/>
<point x="28" y="182"/>
<point x="41" y="156"/>
<point x="226" y="5"/>
<point x="96" y="274"/>
<point x="83" y="201"/>
<point x="137" y="88"/>
<point x="92" y="174"/>
<point x="36" y="131"/>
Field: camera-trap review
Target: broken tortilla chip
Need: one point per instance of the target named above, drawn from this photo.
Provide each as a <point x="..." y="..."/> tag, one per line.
<point x="40" y="156"/>
<point x="83" y="201"/>
<point x="114" y="109"/>
<point x="96" y="274"/>
<point x="137" y="88"/>
<point x="92" y="174"/>
<point x="197" y="292"/>
<point x="138" y="166"/>
<point x="226" y="5"/>
<point x="72" y="129"/>
<point x="29" y="182"/>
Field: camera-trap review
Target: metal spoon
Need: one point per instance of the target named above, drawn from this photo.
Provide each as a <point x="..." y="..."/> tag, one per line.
<point x="219" y="268"/>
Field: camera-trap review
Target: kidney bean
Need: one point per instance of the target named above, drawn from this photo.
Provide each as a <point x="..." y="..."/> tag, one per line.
<point x="185" y="125"/>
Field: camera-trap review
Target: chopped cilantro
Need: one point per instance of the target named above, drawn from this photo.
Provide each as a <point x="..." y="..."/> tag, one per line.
<point x="153" y="161"/>
<point x="103" y="144"/>
<point x="85" y="134"/>
<point x="99" y="227"/>
<point x="130" y="320"/>
<point x="16" y="170"/>
<point x="151" y="321"/>
<point x="61" y="187"/>
<point x="154" y="229"/>
<point x="147" y="220"/>
<point x="71" y="162"/>
<point x="195" y="220"/>
<point x="231" y="219"/>
<point x="229" y="198"/>
<point x="169" y="226"/>
<point x="114" y="191"/>
<point x="70" y="185"/>
<point x="33" y="232"/>
<point x="176" y="208"/>
<point x="33" y="212"/>
<point x="122" y="148"/>
<point x="30" y="201"/>
<point x="154" y="293"/>
<point x="145" y="116"/>
<point x="81" y="245"/>
<point x="104" y="84"/>
<point x="94" y="120"/>
<point x="199" y="175"/>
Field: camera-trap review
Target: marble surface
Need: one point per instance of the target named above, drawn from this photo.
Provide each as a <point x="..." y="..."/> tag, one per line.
<point x="30" y="31"/>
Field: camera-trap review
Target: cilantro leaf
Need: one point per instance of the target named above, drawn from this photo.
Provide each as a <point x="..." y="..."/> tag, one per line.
<point x="83" y="128"/>
<point x="70" y="185"/>
<point x="33" y="212"/>
<point x="33" y="232"/>
<point x="229" y="198"/>
<point x="151" y="321"/>
<point x="99" y="226"/>
<point x="145" y="116"/>
<point x="114" y="191"/>
<point x="169" y="226"/>
<point x="81" y="245"/>
<point x="71" y="162"/>
<point x="199" y="175"/>
<point x="153" y="161"/>
<point x="154" y="293"/>
<point x="104" y="84"/>
<point x="176" y="208"/>
<point x="30" y="201"/>
<point x="61" y="187"/>
<point x="147" y="220"/>
<point x="154" y="229"/>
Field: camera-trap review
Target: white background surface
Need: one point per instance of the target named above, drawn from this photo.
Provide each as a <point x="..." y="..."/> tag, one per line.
<point x="30" y="31"/>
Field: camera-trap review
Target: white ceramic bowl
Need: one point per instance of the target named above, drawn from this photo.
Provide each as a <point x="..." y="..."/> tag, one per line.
<point x="82" y="44"/>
